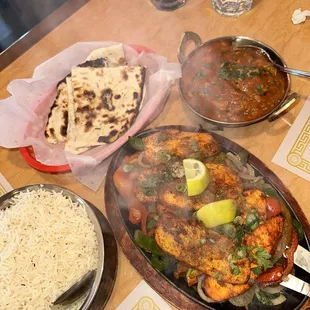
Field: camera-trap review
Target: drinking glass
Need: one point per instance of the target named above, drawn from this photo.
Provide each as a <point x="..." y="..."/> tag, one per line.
<point x="232" y="7"/>
<point x="168" y="5"/>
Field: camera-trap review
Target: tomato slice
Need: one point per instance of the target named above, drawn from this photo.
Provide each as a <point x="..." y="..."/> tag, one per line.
<point x="272" y="275"/>
<point x="273" y="207"/>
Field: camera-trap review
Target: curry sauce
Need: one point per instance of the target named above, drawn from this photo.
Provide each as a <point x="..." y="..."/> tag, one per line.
<point x="231" y="84"/>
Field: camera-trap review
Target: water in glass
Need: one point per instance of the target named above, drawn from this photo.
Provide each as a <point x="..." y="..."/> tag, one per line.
<point x="232" y="7"/>
<point x="168" y="5"/>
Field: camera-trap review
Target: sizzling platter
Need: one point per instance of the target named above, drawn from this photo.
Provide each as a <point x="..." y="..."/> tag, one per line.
<point x="169" y="225"/>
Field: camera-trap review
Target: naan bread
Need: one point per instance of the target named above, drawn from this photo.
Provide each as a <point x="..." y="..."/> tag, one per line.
<point x="56" y="128"/>
<point x="105" y="103"/>
<point x="114" y="54"/>
<point x="57" y="123"/>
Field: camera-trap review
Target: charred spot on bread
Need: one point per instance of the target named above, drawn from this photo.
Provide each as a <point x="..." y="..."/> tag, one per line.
<point x="124" y="75"/>
<point x="83" y="109"/>
<point x="107" y="139"/>
<point x="106" y="98"/>
<point x="88" y="126"/>
<point x="90" y="94"/>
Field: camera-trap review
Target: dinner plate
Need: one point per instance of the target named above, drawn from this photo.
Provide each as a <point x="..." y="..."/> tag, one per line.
<point x="29" y="155"/>
<point x="176" y="291"/>
<point x="105" y="278"/>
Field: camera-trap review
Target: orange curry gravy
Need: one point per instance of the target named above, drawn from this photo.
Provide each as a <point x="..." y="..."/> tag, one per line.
<point x="231" y="84"/>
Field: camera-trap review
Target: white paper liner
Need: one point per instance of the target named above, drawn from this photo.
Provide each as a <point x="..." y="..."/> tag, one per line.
<point x="23" y="116"/>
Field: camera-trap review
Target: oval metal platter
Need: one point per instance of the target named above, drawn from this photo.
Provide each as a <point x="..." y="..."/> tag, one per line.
<point x="176" y="291"/>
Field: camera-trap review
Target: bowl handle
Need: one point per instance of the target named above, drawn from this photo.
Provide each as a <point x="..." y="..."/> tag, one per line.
<point x="288" y="102"/>
<point x="187" y="36"/>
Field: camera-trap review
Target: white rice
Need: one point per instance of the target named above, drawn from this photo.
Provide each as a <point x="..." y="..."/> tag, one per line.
<point x="46" y="244"/>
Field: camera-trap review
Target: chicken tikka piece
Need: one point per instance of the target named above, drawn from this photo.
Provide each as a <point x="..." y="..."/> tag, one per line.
<point x="266" y="235"/>
<point x="224" y="184"/>
<point x="180" y="144"/>
<point x="254" y="198"/>
<point x="204" y="250"/>
<point x="218" y="290"/>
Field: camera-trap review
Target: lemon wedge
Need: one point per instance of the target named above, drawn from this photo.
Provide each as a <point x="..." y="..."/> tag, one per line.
<point x="197" y="176"/>
<point x="217" y="213"/>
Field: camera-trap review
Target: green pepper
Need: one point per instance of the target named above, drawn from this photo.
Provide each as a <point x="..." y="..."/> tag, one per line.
<point x="147" y="243"/>
<point x="151" y="223"/>
<point x="298" y="228"/>
<point x="160" y="263"/>
<point x="270" y="192"/>
<point x="137" y="143"/>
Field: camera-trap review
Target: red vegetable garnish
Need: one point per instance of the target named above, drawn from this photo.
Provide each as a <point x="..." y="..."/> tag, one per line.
<point x="273" y="274"/>
<point x="134" y="215"/>
<point x="138" y="214"/>
<point x="290" y="254"/>
<point x="273" y="207"/>
<point x="125" y="181"/>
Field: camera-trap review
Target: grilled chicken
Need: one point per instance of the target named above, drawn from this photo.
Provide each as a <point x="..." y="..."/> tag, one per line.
<point x="151" y="177"/>
<point x="254" y="198"/>
<point x="225" y="184"/>
<point x="218" y="290"/>
<point x="267" y="234"/>
<point x="179" y="143"/>
<point x="178" y="202"/>
<point x="204" y="250"/>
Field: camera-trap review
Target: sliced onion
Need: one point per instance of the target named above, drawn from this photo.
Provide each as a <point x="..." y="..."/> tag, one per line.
<point x="200" y="291"/>
<point x="272" y="289"/>
<point x="250" y="169"/>
<point x="231" y="165"/>
<point x="235" y="160"/>
<point x="140" y="161"/>
<point x="243" y="299"/>
<point x="278" y="300"/>
<point x="250" y="177"/>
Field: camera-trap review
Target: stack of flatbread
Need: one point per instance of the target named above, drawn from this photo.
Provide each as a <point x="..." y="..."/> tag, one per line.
<point x="97" y="102"/>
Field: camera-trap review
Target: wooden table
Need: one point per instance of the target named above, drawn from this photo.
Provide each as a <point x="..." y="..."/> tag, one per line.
<point x="138" y="22"/>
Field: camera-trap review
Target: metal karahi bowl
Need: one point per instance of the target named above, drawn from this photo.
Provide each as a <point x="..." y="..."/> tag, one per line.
<point x="5" y="201"/>
<point x="284" y="104"/>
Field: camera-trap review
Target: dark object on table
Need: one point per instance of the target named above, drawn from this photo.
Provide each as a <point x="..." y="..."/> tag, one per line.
<point x="18" y="17"/>
<point x="168" y="5"/>
<point x="22" y="25"/>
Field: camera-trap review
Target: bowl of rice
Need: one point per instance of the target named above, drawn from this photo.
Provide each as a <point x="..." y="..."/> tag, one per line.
<point x="49" y="238"/>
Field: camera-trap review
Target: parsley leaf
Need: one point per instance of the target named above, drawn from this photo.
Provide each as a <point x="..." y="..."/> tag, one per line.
<point x="262" y="257"/>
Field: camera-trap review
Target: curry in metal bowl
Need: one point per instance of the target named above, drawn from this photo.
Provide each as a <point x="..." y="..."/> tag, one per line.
<point x="231" y="84"/>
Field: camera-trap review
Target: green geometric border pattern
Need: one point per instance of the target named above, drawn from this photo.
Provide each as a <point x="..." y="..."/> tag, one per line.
<point x="295" y="156"/>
